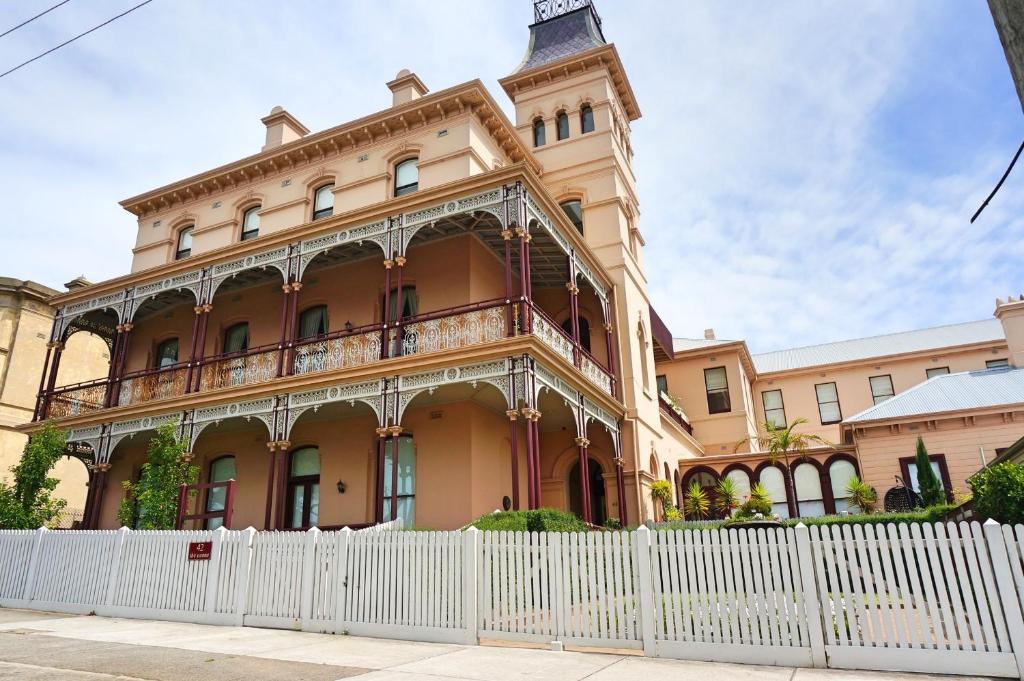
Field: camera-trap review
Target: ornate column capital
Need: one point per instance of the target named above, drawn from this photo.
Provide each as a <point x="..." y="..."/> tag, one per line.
<point x="608" y="327"/>
<point x="389" y="263"/>
<point x="207" y="308"/>
<point x="198" y="309"/>
<point x="531" y="414"/>
<point x="187" y="456"/>
<point x="98" y="467"/>
<point x="512" y="414"/>
<point x="400" y="261"/>
<point x="506" y="234"/>
<point x="297" y="286"/>
<point x="573" y="288"/>
<point x="582" y="442"/>
<point x="522" y="233"/>
<point x="287" y="288"/>
<point x="394" y="430"/>
<point x="382" y="432"/>
<point x="56" y="344"/>
<point x="272" y="446"/>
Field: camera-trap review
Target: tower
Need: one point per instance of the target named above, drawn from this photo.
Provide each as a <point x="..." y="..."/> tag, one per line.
<point x="574" y="106"/>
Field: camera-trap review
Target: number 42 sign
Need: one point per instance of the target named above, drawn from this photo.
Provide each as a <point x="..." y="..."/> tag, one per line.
<point x="200" y="550"/>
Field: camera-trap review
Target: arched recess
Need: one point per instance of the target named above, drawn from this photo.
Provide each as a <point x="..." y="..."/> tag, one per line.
<point x="774" y="477"/>
<point x="810" y="485"/>
<point x="708" y="479"/>
<point x="742" y="479"/>
<point x="839" y="469"/>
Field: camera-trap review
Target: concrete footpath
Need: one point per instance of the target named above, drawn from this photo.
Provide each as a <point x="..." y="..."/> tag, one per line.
<point x="55" y="647"/>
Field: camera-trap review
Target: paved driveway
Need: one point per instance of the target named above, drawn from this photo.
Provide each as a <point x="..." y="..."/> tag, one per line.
<point x="55" y="647"/>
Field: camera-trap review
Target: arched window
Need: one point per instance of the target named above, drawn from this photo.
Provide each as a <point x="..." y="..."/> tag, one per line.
<point x="222" y="469"/>
<point x="407" y="177"/>
<point x="584" y="331"/>
<point x="236" y="337"/>
<point x="740" y="482"/>
<point x="586" y="119"/>
<point x="538" y="132"/>
<point x="166" y="354"/>
<point x="405" y="508"/>
<point x="304" y="488"/>
<point x="323" y="202"/>
<point x="775" y="484"/>
<point x="184" y="244"/>
<point x="562" y="125"/>
<point x="313" y="322"/>
<point x="707" y="482"/>
<point x="574" y="209"/>
<point x="809" y="499"/>
<point x="251" y="223"/>
<point x="839" y="473"/>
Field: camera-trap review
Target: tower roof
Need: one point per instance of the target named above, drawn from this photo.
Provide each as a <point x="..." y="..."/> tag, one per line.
<point x="561" y="28"/>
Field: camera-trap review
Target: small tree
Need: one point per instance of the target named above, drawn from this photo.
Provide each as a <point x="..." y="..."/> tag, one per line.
<point x="862" y="495"/>
<point x="27" y="503"/>
<point x="696" y="503"/>
<point x="152" y="502"/>
<point x="726" y="498"/>
<point x="661" y="493"/>
<point x="927" y="481"/>
<point x="785" y="442"/>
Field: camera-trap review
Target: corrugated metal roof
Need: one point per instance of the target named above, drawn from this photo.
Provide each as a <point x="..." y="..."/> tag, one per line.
<point x="921" y="340"/>
<point x="684" y="344"/>
<point x="951" y="392"/>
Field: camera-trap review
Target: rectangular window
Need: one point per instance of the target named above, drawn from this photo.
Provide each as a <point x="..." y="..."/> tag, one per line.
<point x="717" y="384"/>
<point x="881" y="388"/>
<point x="828" y="403"/>
<point x="774" y="410"/>
<point x="662" y="383"/>
<point x="936" y="371"/>
<point x="908" y="467"/>
<point x="997" y="363"/>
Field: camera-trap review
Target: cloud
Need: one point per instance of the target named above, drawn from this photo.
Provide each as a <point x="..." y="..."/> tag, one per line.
<point x="794" y="182"/>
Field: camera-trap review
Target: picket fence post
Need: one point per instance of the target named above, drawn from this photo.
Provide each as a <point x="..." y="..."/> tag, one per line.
<point x="242" y="574"/>
<point x="115" y="563"/>
<point x="470" y="584"/>
<point x="1007" y="589"/>
<point x="811" y="596"/>
<point x="33" y="565"/>
<point x="646" y="578"/>
<point x="340" y="612"/>
<point x="213" y="574"/>
<point x="308" y="574"/>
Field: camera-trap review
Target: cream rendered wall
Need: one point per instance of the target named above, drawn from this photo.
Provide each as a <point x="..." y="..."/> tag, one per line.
<point x="463" y="150"/>
<point x="879" y="450"/>
<point x="718" y="433"/>
<point x="25" y="325"/>
<point x="590" y="167"/>
<point x="852" y="384"/>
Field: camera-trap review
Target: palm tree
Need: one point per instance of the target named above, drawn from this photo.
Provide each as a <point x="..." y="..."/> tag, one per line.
<point x="786" y="442"/>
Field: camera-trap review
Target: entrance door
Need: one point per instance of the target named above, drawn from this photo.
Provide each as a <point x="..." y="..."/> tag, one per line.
<point x="598" y="506"/>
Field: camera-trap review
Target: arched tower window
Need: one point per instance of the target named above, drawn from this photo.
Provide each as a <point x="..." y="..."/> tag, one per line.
<point x="586" y="118"/>
<point x="407" y="177"/>
<point x="323" y="202"/>
<point x="184" y="249"/>
<point x="251" y="223"/>
<point x="574" y="209"/>
<point x="538" y="132"/>
<point x="562" y="125"/>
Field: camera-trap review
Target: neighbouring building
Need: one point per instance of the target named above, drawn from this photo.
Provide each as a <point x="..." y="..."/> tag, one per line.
<point x="959" y="387"/>
<point x="25" y="323"/>
<point x="433" y="312"/>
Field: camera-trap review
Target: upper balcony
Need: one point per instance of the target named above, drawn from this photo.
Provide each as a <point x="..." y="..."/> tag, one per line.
<point x="456" y="268"/>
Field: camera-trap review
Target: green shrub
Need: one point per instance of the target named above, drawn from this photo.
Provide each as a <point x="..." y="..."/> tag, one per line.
<point x="690" y="525"/>
<point x="613" y="524"/>
<point x="932" y="514"/>
<point x="541" y="520"/>
<point x="862" y="495"/>
<point x="999" y="492"/>
<point x="696" y="503"/>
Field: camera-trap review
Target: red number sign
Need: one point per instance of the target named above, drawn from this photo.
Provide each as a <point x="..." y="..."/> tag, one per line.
<point x="199" y="550"/>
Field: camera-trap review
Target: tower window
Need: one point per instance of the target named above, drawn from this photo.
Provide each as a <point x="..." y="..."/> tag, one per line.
<point x="574" y="209"/>
<point x="562" y="125"/>
<point x="538" y="132"/>
<point x="586" y="119"/>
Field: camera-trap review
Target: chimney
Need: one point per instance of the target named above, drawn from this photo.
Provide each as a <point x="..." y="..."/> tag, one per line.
<point x="282" y="128"/>
<point x="78" y="282"/>
<point x="1010" y="313"/>
<point x="406" y="87"/>
<point x="709" y="334"/>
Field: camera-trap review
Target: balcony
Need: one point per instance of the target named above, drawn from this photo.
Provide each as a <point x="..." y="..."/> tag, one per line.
<point x="481" y="277"/>
<point x="674" y="413"/>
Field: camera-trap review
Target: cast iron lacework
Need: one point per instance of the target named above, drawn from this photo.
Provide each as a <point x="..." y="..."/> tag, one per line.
<point x="549" y="9"/>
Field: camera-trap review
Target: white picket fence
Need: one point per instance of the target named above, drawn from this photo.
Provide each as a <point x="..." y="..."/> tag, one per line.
<point x="943" y="598"/>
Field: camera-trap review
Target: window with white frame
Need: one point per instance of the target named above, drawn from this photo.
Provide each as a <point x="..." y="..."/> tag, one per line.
<point x="251" y="223"/>
<point x="881" y="388"/>
<point x="323" y="202"/>
<point x="828" y="403"/>
<point x="774" y="410"/>
<point x="936" y="371"/>
<point x="716" y="384"/>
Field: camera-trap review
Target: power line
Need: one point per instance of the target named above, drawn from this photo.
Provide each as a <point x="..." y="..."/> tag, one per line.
<point x="29" y="21"/>
<point x="80" y="35"/>
<point x="998" y="184"/>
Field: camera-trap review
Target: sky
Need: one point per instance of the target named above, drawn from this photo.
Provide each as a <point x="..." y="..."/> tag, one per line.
<point x="806" y="170"/>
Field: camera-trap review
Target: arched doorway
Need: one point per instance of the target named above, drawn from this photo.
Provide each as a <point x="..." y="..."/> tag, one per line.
<point x="598" y="505"/>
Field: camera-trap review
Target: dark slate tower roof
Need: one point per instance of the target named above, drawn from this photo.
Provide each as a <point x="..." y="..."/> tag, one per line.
<point x="561" y="28"/>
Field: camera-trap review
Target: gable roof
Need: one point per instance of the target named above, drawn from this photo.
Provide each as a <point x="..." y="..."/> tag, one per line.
<point x="950" y="392"/>
<point x="684" y="344"/>
<point x="935" y="338"/>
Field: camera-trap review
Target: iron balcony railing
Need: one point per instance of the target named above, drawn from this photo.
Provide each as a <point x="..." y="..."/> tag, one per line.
<point x="442" y="330"/>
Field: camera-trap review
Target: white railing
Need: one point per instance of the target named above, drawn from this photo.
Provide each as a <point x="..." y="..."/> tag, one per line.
<point x="553" y="337"/>
<point x="942" y="598"/>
